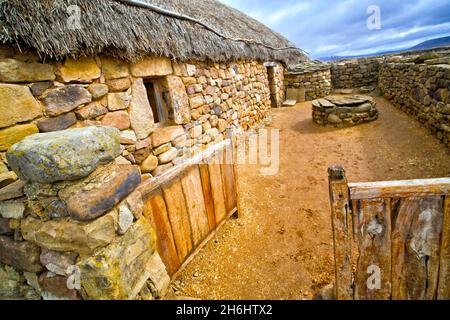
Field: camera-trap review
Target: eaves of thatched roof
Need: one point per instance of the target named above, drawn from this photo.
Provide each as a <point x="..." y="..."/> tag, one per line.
<point x="129" y="32"/>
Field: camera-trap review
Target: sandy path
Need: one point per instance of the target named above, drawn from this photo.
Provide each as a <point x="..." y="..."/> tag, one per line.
<point x="282" y="247"/>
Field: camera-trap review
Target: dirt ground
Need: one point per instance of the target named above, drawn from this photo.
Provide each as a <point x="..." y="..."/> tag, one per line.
<point x="281" y="247"/>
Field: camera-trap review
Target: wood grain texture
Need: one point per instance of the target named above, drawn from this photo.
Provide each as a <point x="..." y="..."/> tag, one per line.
<point x="416" y="232"/>
<point x="342" y="234"/>
<point x="228" y="183"/>
<point x="207" y="195"/>
<point x="179" y="217"/>
<point x="215" y="175"/>
<point x="156" y="213"/>
<point x="401" y="188"/>
<point x="193" y="193"/>
<point x="444" y="269"/>
<point x="372" y="223"/>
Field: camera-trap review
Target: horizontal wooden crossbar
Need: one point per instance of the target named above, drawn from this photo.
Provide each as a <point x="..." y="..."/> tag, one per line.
<point x="151" y="184"/>
<point x="400" y="188"/>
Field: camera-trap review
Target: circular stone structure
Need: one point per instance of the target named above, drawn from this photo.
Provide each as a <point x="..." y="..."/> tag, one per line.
<point x="344" y="111"/>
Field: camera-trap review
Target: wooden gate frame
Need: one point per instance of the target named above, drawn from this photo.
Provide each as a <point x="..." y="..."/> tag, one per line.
<point x="354" y="205"/>
<point x="186" y="196"/>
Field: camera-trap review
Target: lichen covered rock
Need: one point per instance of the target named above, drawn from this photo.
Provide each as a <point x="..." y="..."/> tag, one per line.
<point x="66" y="155"/>
<point x="120" y="270"/>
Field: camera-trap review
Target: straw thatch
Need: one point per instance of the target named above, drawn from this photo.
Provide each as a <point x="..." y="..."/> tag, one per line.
<point x="131" y="32"/>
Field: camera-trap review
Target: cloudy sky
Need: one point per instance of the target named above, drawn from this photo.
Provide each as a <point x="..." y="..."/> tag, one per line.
<point x="339" y="27"/>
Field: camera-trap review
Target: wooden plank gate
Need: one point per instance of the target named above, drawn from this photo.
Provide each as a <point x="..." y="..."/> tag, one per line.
<point x="391" y="239"/>
<point x="187" y="204"/>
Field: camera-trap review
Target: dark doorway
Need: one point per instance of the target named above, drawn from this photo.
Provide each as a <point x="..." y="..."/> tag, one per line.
<point x="272" y="87"/>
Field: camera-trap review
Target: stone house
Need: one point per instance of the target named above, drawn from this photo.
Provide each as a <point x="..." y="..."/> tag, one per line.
<point x="154" y="82"/>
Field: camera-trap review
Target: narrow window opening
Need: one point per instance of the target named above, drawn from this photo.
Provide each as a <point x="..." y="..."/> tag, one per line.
<point x="158" y="104"/>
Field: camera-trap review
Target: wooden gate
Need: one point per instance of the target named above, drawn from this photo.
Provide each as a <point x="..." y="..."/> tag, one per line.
<point x="391" y="239"/>
<point x="188" y="203"/>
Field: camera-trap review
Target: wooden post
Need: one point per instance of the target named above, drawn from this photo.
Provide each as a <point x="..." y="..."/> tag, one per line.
<point x="444" y="277"/>
<point x="233" y="147"/>
<point x="341" y="222"/>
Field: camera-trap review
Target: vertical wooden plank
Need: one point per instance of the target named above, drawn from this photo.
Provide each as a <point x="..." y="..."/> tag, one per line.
<point x="156" y="213"/>
<point x="178" y="216"/>
<point x="416" y="248"/>
<point x="192" y="189"/>
<point x="372" y="233"/>
<point x="207" y="195"/>
<point x="235" y="167"/>
<point x="341" y="222"/>
<point x="228" y="181"/>
<point x="215" y="176"/>
<point x="444" y="269"/>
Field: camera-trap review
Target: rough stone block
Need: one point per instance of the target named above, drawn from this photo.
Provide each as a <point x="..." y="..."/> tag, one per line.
<point x="65" y="99"/>
<point x="68" y="235"/>
<point x="12" y="135"/>
<point x="22" y="255"/>
<point x="141" y="114"/>
<point x="17" y="104"/>
<point x="103" y="192"/>
<point x="12" y="70"/>
<point x="152" y="67"/>
<point x="120" y="270"/>
<point x="82" y="70"/>
<point x="58" y="123"/>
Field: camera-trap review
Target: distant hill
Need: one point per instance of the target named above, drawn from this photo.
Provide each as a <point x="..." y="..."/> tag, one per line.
<point x="433" y="43"/>
<point x="429" y="44"/>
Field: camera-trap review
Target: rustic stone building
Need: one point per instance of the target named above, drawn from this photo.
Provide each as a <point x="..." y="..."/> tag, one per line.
<point x="123" y="90"/>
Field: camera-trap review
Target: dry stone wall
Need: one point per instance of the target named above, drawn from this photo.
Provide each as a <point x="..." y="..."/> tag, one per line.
<point x="421" y="90"/>
<point x="81" y="136"/>
<point x="73" y="227"/>
<point x="202" y="101"/>
<point x="355" y="73"/>
<point x="314" y="82"/>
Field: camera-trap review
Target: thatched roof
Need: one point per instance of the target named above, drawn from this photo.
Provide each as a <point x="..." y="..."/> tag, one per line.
<point x="130" y="32"/>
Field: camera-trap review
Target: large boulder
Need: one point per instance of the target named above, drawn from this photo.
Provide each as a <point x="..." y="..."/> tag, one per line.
<point x="120" y="270"/>
<point x="17" y="104"/>
<point x="64" y="155"/>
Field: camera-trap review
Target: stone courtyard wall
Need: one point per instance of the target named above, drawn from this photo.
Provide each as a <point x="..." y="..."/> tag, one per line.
<point x="315" y="82"/>
<point x="355" y="73"/>
<point x="67" y="195"/>
<point x="422" y="91"/>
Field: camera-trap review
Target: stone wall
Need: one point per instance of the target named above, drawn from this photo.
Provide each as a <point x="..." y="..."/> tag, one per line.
<point x="315" y="83"/>
<point x="421" y="90"/>
<point x="70" y="200"/>
<point x="355" y="73"/>
<point x="344" y="111"/>
<point x="73" y="227"/>
<point x="202" y="101"/>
